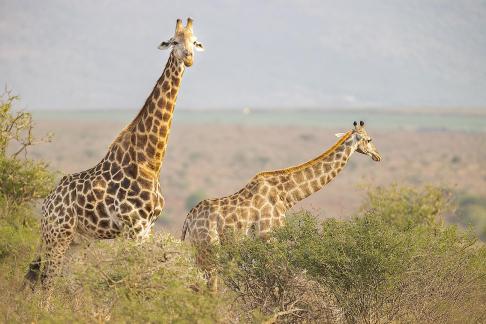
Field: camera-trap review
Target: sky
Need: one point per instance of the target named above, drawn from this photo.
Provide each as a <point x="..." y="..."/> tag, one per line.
<point x="260" y="54"/>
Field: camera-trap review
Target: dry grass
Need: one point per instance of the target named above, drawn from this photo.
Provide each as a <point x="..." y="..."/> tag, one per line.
<point x="119" y="281"/>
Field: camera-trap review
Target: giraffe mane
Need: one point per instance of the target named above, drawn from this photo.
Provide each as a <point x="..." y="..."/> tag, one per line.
<point x="134" y="122"/>
<point x="306" y="164"/>
<point x="131" y="126"/>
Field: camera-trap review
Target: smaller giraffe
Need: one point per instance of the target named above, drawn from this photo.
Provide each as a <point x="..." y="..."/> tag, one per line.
<point x="261" y="205"/>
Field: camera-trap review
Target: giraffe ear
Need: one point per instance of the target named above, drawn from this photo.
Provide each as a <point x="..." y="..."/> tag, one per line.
<point x="198" y="46"/>
<point x="166" y="44"/>
<point x="339" y="135"/>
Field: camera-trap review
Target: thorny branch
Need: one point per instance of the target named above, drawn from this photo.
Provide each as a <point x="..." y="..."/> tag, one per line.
<point x="16" y="127"/>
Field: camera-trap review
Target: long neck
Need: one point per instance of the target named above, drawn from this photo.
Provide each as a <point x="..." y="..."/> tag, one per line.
<point x="144" y="140"/>
<point x="303" y="180"/>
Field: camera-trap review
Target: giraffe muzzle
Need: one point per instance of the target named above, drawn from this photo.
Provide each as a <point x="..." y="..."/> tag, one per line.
<point x="375" y="157"/>
<point x="188" y="60"/>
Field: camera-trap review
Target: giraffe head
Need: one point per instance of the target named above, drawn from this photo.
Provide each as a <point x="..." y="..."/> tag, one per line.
<point x="364" y="142"/>
<point x="183" y="43"/>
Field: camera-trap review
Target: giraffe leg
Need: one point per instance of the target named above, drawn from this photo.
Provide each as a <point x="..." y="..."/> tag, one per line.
<point x="57" y="237"/>
<point x="213" y="280"/>
<point x="205" y="261"/>
<point x="53" y="265"/>
<point x="77" y="249"/>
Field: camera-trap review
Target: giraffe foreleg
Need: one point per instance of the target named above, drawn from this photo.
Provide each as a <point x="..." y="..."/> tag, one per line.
<point x="57" y="236"/>
<point x="54" y="256"/>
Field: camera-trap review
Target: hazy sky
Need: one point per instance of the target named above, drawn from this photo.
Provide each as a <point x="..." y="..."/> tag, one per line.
<point x="307" y="53"/>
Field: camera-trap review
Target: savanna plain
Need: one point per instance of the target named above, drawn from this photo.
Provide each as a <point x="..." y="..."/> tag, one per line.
<point x="401" y="240"/>
<point x="213" y="154"/>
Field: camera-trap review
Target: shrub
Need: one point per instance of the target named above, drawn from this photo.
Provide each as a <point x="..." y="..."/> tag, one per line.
<point x="471" y="211"/>
<point x="19" y="233"/>
<point x="22" y="181"/>
<point x="149" y="282"/>
<point x="395" y="261"/>
<point x="405" y="207"/>
<point x="122" y="281"/>
<point x="267" y="286"/>
<point x="194" y="198"/>
<point x="378" y="272"/>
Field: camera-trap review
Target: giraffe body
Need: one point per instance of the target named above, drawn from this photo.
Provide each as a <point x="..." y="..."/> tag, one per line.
<point x="261" y="205"/>
<point x="121" y="195"/>
<point x="263" y="202"/>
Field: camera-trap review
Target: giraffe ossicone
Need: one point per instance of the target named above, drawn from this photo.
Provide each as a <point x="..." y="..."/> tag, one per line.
<point x="262" y="203"/>
<point x="121" y="194"/>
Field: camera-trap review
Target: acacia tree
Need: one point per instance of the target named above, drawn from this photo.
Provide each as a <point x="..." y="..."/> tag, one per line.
<point x="22" y="180"/>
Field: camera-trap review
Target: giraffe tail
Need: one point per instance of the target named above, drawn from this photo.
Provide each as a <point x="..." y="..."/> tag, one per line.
<point x="184" y="231"/>
<point x="32" y="275"/>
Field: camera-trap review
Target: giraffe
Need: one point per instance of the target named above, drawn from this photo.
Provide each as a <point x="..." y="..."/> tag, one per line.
<point x="121" y="194"/>
<point x="262" y="203"/>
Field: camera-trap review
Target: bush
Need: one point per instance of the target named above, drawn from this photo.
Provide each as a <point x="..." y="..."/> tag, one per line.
<point x="194" y="198"/>
<point x="395" y="261"/>
<point x="122" y="281"/>
<point x="149" y="282"/>
<point x="471" y="211"/>
<point x="405" y="207"/>
<point x="19" y="233"/>
<point x="22" y="181"/>
<point x="267" y="286"/>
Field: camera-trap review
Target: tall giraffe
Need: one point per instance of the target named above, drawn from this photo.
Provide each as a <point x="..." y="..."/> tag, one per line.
<point x="121" y="194"/>
<point x="263" y="202"/>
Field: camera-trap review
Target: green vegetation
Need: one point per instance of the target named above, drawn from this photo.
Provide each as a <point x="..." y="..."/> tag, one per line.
<point x="394" y="261"/>
<point x="471" y="212"/>
<point x="122" y="282"/>
<point x="194" y="198"/>
<point x="119" y="281"/>
<point x="406" y="207"/>
<point x="22" y="181"/>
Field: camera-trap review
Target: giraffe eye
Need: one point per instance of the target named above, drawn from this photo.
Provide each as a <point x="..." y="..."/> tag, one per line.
<point x="369" y="139"/>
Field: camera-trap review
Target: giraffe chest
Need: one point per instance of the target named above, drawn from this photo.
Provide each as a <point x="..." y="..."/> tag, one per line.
<point x="139" y="196"/>
<point x="113" y="205"/>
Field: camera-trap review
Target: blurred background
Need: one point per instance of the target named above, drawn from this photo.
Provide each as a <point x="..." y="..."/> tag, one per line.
<point x="277" y="80"/>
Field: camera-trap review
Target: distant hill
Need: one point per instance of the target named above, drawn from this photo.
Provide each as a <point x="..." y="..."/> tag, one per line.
<point x="102" y="54"/>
